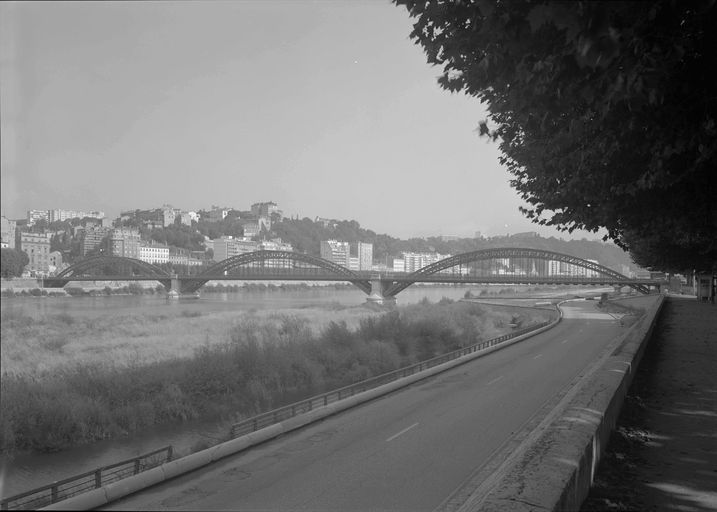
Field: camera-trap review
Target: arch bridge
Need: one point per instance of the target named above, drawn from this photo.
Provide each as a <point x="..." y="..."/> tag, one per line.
<point x="486" y="266"/>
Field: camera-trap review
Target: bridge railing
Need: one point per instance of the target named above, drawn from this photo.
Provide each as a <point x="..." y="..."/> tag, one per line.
<point x="78" y="484"/>
<point x="289" y="411"/>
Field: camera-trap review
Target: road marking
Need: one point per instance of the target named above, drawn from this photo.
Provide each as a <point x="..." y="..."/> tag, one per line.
<point x="394" y="436"/>
<point x="564" y="341"/>
<point x="495" y="380"/>
<point x="539" y="355"/>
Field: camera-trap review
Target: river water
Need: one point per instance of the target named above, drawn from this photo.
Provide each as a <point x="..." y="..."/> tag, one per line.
<point x="27" y="471"/>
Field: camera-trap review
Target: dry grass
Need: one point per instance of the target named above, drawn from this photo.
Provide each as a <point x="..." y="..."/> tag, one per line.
<point x="32" y="347"/>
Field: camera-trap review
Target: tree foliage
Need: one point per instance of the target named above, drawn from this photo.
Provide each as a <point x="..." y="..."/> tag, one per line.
<point x="606" y="112"/>
<point x="12" y="262"/>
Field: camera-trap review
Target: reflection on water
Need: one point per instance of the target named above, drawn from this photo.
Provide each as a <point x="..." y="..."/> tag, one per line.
<point x="28" y="471"/>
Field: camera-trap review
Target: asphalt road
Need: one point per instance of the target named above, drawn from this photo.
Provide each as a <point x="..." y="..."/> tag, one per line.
<point x="410" y="450"/>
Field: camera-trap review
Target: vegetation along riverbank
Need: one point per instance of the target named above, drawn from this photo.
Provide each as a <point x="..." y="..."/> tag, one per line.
<point x="68" y="381"/>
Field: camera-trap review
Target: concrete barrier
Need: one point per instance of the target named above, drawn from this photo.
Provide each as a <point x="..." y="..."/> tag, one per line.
<point x="127" y="486"/>
<point x="554" y="469"/>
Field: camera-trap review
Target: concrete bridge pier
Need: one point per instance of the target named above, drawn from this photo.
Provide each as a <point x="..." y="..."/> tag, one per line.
<point x="378" y="293"/>
<point x="174" y="290"/>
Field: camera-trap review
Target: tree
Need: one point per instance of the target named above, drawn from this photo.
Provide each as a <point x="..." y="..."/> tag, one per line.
<point x="606" y="112"/>
<point x="12" y="262"/>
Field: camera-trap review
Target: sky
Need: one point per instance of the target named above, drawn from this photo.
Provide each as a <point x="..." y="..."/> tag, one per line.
<point x="326" y="108"/>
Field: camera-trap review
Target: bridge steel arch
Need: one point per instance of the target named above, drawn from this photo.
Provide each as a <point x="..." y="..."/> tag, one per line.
<point x="500" y="253"/>
<point x="126" y="268"/>
<point x="290" y="260"/>
<point x="97" y="262"/>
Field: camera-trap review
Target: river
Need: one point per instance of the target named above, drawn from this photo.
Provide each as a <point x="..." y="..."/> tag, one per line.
<point x="26" y="471"/>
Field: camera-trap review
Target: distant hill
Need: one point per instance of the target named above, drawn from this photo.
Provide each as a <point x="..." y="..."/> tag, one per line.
<point x="305" y="235"/>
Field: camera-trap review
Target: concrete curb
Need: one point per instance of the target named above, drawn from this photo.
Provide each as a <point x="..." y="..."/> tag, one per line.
<point x="557" y="468"/>
<point x="114" y="491"/>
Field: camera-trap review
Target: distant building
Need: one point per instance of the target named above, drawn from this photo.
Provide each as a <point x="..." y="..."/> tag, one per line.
<point x="55" y="262"/>
<point x="217" y="214"/>
<point x="399" y="265"/>
<point x="37" y="248"/>
<point x="92" y="238"/>
<point x="416" y="260"/>
<point x="364" y="251"/>
<point x="168" y="216"/>
<point x="274" y="245"/>
<point x="7" y="232"/>
<point x="35" y="215"/>
<point x="335" y="251"/>
<point x="124" y="242"/>
<point x="59" y="215"/>
<point x="327" y="223"/>
<point x="251" y="228"/>
<point x="268" y="212"/>
<point x="353" y="263"/>
<point x="153" y="253"/>
<point x="227" y="246"/>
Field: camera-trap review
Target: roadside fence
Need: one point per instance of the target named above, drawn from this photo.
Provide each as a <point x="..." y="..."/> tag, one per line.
<point x="289" y="411"/>
<point x="78" y="484"/>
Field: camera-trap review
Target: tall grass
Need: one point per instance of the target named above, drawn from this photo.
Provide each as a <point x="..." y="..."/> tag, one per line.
<point x="260" y="364"/>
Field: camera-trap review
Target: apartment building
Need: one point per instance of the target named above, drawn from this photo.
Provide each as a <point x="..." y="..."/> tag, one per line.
<point x="92" y="238"/>
<point x="7" y="232"/>
<point x="124" y="242"/>
<point x="338" y="252"/>
<point x="36" y="215"/>
<point x="416" y="260"/>
<point x="153" y="253"/>
<point x="228" y="246"/>
<point x="63" y="215"/>
<point x="37" y="248"/>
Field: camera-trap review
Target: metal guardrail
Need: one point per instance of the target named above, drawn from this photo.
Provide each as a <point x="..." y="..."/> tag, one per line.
<point x="78" y="484"/>
<point x="289" y="411"/>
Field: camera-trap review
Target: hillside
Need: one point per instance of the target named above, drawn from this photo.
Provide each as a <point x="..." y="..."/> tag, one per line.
<point x="305" y="235"/>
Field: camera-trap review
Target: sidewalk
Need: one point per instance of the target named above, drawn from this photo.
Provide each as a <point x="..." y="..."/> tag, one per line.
<point x="663" y="453"/>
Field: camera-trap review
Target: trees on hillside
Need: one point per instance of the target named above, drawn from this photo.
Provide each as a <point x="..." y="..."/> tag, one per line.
<point x="606" y="112"/>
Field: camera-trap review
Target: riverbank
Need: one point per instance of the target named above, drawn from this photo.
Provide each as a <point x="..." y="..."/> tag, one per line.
<point x="70" y="381"/>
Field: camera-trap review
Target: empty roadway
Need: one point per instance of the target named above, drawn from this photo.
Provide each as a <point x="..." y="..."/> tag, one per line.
<point x="409" y="450"/>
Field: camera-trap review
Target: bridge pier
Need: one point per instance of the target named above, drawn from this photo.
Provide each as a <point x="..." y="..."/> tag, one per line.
<point x="378" y="293"/>
<point x="174" y="291"/>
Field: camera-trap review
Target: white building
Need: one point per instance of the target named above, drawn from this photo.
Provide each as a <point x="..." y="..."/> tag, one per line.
<point x="416" y="260"/>
<point x="153" y="253"/>
<point x="365" y="255"/>
<point x="228" y="246"/>
<point x="337" y="252"/>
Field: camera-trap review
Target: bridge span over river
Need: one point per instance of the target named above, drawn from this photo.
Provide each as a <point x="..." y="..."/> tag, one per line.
<point x="486" y="266"/>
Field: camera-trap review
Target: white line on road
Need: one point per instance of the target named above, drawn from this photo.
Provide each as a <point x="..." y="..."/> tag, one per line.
<point x="539" y="355"/>
<point x="394" y="436"/>
<point x="495" y="380"/>
<point x="564" y="341"/>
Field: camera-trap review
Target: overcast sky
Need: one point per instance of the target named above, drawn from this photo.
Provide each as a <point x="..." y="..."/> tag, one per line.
<point x="326" y="108"/>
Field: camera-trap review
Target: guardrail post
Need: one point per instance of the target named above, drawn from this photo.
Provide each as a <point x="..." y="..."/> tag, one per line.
<point x="136" y="466"/>
<point x="98" y="479"/>
<point x="169" y="453"/>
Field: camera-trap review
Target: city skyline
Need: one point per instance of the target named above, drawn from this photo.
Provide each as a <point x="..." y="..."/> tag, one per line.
<point x="327" y="109"/>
